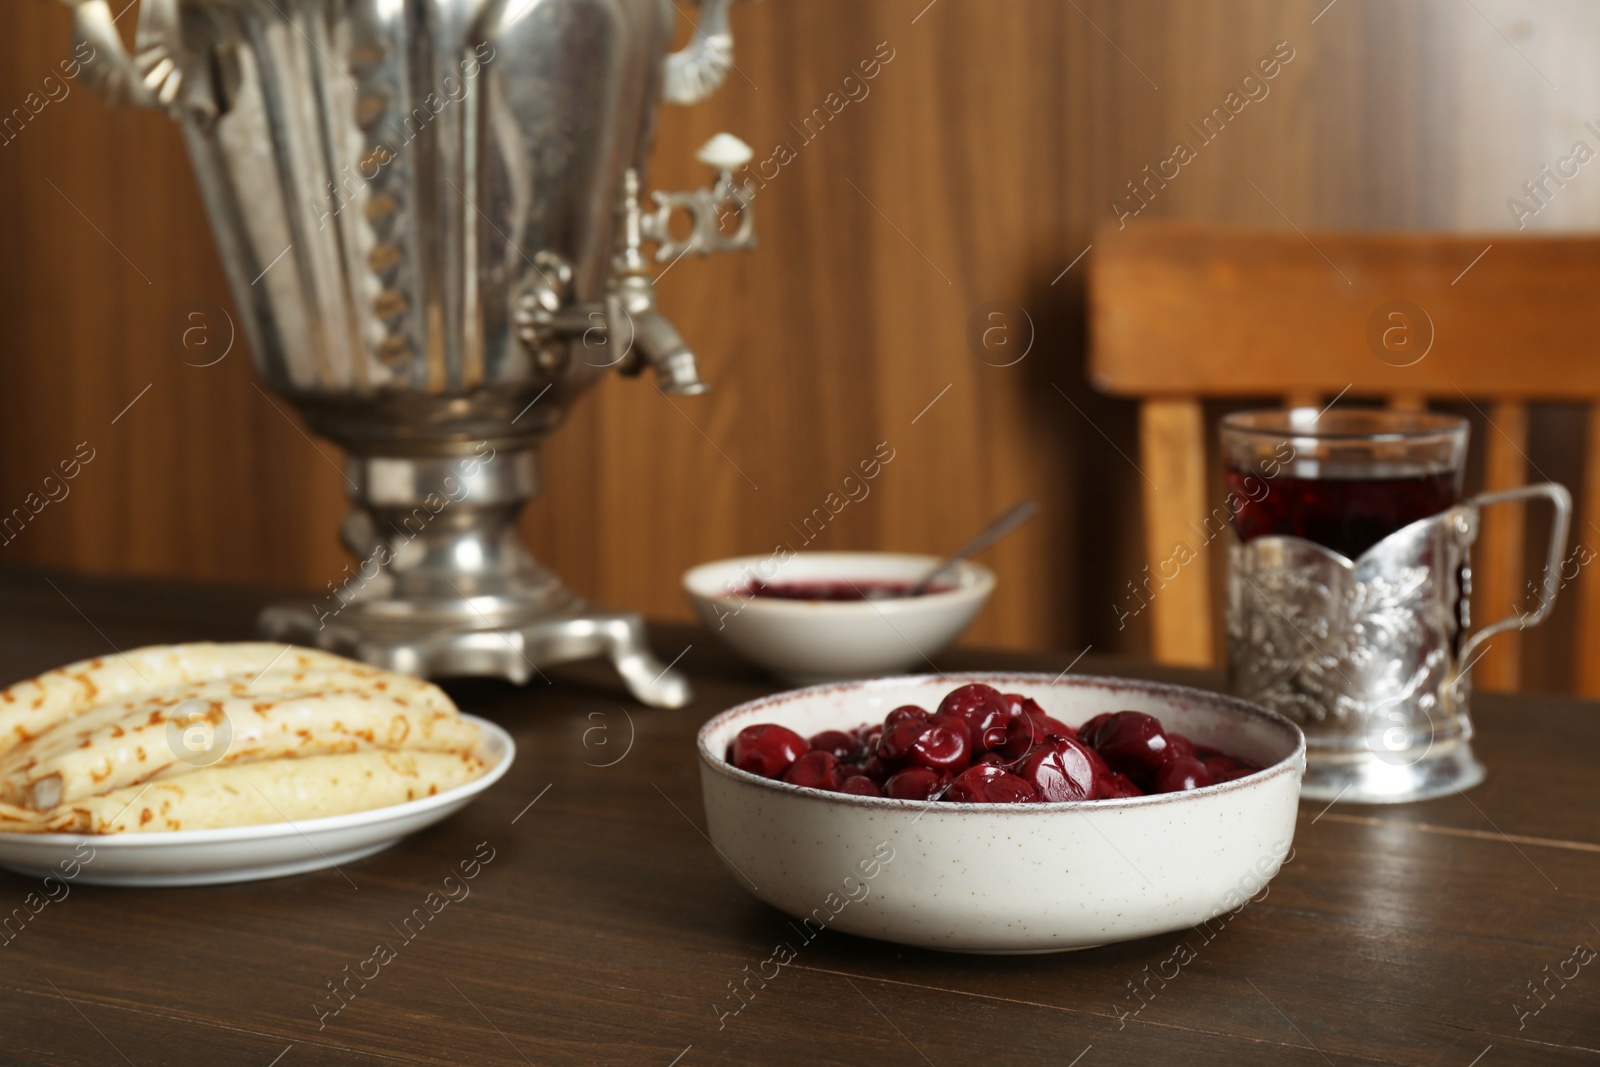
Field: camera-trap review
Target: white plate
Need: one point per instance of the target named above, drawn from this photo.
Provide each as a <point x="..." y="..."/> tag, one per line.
<point x="246" y="853"/>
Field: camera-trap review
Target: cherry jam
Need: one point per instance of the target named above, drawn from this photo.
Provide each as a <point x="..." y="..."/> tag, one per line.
<point x="836" y="591"/>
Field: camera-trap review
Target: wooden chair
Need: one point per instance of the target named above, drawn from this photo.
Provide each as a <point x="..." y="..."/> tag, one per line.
<point x="1179" y="312"/>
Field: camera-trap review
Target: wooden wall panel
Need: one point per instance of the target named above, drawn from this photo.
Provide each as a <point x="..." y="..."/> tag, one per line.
<point x="965" y="184"/>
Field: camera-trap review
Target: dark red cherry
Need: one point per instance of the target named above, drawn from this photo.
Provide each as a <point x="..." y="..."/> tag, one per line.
<point x="1016" y="703"/>
<point x="985" y="712"/>
<point x="1060" y="768"/>
<point x="1225" y="768"/>
<point x="876" y="769"/>
<point x="1022" y="733"/>
<point x="986" y="783"/>
<point x="1131" y="742"/>
<point x="928" y="743"/>
<point x="868" y="735"/>
<point x="842" y="745"/>
<point x="818" y="770"/>
<point x="767" y="750"/>
<point x="1087" y="731"/>
<point x="861" y="786"/>
<point x="1180" y="773"/>
<point x="1052" y="725"/>
<point x="1119" y="785"/>
<point x="915" y="783"/>
<point x="990" y="759"/>
<point x="1028" y="729"/>
<point x="1177" y="745"/>
<point x="904" y="712"/>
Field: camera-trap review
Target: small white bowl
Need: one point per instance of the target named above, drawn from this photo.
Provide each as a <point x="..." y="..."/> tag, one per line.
<point x="1007" y="878"/>
<point x="806" y="641"/>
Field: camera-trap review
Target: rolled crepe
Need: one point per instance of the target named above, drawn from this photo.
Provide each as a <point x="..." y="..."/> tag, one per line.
<point x="30" y="708"/>
<point x="77" y="759"/>
<point x="268" y="791"/>
<point x="15" y="820"/>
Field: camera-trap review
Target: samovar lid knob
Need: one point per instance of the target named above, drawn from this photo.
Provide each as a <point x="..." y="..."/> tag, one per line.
<point x="725" y="152"/>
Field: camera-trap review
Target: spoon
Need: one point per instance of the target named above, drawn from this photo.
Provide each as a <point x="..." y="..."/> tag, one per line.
<point x="1015" y="516"/>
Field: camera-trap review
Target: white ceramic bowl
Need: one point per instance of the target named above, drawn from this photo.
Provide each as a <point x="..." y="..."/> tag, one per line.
<point x="1004" y="878"/>
<point x="806" y="641"/>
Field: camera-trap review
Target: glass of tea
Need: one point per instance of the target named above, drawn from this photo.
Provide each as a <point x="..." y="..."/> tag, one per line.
<point x="1348" y="592"/>
<point x="1344" y="479"/>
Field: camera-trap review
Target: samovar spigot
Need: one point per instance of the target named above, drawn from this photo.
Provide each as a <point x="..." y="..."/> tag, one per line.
<point x="635" y="325"/>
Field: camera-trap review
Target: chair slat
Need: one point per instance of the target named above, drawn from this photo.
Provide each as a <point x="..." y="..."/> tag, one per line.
<point x="1586" y="651"/>
<point x="1499" y="583"/>
<point x="1172" y="444"/>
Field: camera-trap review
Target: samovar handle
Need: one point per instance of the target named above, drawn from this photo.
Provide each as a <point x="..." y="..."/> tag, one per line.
<point x="700" y="69"/>
<point x="154" y="75"/>
<point x="1561" y="501"/>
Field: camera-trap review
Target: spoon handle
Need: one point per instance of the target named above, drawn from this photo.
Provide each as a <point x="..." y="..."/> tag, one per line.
<point x="1015" y="516"/>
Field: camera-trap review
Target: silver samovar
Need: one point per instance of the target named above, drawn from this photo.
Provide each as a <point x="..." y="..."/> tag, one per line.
<point x="430" y="214"/>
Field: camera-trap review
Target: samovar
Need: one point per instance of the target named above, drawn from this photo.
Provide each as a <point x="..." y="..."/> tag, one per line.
<point x="431" y="217"/>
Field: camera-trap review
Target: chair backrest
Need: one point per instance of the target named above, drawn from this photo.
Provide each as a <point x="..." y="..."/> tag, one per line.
<point x="1180" y="311"/>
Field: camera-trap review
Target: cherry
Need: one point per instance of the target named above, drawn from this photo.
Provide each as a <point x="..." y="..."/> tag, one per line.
<point x="983" y="709"/>
<point x="767" y="750"/>
<point x="904" y="712"/>
<point x="986" y="783"/>
<point x="930" y="743"/>
<point x="1180" y="773"/>
<point x="915" y="783"/>
<point x="1090" y="728"/>
<point x="1178" y="745"/>
<point x="1060" y="768"/>
<point x="868" y="736"/>
<point x="1028" y="729"/>
<point x="876" y="769"/>
<point x="1131" y="742"/>
<point x="861" y="786"/>
<point x="990" y="759"/>
<point x="818" y="770"/>
<point x="1021" y="705"/>
<point x="1016" y="703"/>
<point x="1021" y="734"/>
<point x="1120" y="785"/>
<point x="842" y="745"/>
<point x="1225" y="768"/>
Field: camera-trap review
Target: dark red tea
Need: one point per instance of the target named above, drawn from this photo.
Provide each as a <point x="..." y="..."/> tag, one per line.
<point x="1347" y="515"/>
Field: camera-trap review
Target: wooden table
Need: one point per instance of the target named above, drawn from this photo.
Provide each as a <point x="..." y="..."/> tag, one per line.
<point x="604" y="927"/>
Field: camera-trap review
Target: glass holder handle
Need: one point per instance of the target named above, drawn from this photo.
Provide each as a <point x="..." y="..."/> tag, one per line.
<point x="1561" y="501"/>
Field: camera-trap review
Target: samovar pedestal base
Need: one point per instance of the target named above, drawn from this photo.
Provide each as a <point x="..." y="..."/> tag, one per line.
<point x="516" y="650"/>
<point x="1373" y="779"/>
<point x="444" y="585"/>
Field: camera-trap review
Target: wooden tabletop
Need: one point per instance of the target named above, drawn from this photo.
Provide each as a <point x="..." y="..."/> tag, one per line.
<point x="601" y="928"/>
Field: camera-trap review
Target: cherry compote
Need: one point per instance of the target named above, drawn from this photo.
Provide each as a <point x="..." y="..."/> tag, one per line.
<point x="837" y="591"/>
<point x="982" y="746"/>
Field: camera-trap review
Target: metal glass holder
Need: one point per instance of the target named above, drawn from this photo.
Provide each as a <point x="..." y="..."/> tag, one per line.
<point x="1371" y="657"/>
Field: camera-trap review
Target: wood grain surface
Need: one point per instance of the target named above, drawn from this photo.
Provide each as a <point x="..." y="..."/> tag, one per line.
<point x="911" y="251"/>
<point x="604" y="927"/>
